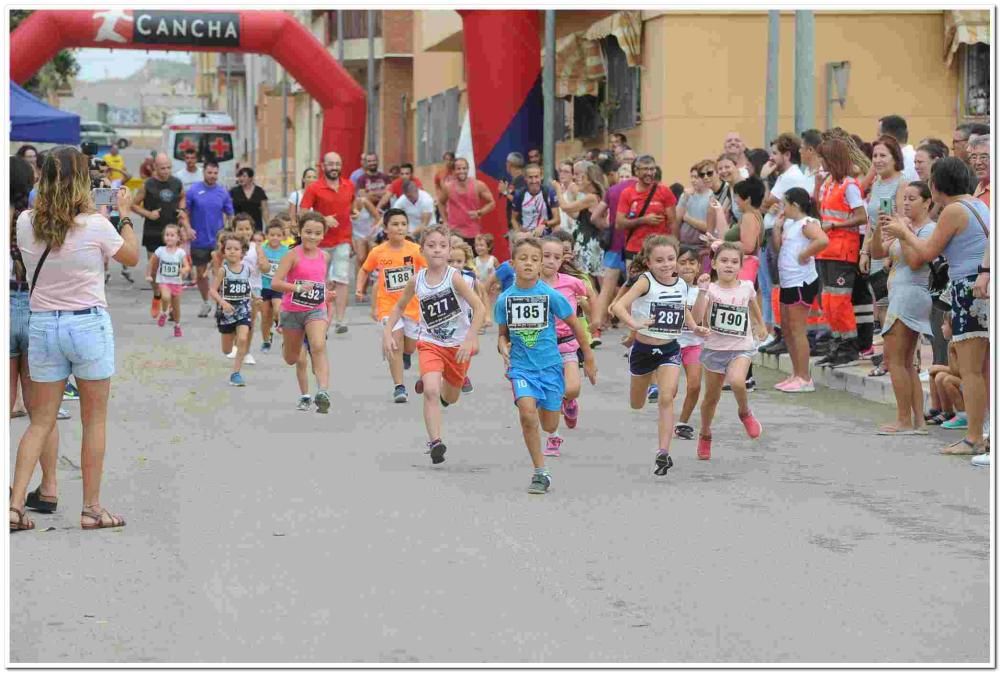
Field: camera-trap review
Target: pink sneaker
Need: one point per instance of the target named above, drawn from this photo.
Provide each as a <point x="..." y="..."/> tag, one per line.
<point x="704" y="447"/>
<point x="799" y="386"/>
<point x="782" y="384"/>
<point x="571" y="412"/>
<point x="162" y="320"/>
<point x="177" y="331"/>
<point x="552" y="446"/>
<point x="753" y="426"/>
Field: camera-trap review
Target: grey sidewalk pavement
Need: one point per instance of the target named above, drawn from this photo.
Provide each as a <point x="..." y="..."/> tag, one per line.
<point x="257" y="533"/>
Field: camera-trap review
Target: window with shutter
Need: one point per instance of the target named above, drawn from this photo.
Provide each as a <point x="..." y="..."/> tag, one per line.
<point x="623" y="86"/>
<point x="977" y="80"/>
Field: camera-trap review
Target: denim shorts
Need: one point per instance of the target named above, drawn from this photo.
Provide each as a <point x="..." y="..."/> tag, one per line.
<point x="19" y="313"/>
<point x="613" y="260"/>
<point x="61" y="343"/>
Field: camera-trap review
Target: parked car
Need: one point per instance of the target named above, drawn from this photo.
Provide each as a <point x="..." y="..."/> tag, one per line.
<point x="104" y="135"/>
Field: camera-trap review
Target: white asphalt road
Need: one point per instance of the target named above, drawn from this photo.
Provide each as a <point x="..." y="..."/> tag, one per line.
<point x="257" y="533"/>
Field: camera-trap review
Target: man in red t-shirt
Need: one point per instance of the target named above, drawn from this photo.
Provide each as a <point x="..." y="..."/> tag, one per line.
<point x="333" y="196"/>
<point x="659" y="217"/>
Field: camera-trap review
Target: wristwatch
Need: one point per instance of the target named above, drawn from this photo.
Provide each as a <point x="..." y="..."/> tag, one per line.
<point x="125" y="220"/>
<point x="984" y="269"/>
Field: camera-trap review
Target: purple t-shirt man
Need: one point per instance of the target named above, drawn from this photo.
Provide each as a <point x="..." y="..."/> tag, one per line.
<point x="611" y="198"/>
<point x="206" y="205"/>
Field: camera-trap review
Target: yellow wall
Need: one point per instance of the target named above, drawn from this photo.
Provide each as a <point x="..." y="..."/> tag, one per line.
<point x="896" y="68"/>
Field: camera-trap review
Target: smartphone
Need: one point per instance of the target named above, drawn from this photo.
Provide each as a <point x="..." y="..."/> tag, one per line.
<point x="103" y="196"/>
<point x="885" y="205"/>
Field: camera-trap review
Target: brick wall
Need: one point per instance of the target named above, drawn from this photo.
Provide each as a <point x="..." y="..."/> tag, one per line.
<point x="397" y="79"/>
<point x="397" y="31"/>
<point x="269" y="134"/>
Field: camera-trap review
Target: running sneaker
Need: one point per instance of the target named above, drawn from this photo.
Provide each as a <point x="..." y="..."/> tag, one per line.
<point x="867" y="354"/>
<point x="780" y="385"/>
<point x="341" y="328"/>
<point x="126" y="275"/>
<point x="663" y="463"/>
<point x="407" y="360"/>
<point x="162" y="320"/>
<point x="552" y="446"/>
<point x="981" y="461"/>
<point x="206" y="308"/>
<point x="418" y="387"/>
<point x="704" y="447"/>
<point x="753" y="426"/>
<point x="653" y="393"/>
<point x="956" y="423"/>
<point x="265" y="347"/>
<point x="931" y="413"/>
<point x="751" y="384"/>
<point x="322" y="402"/>
<point x="399" y="394"/>
<point x="726" y="387"/>
<point x="437" y="450"/>
<point x="843" y="357"/>
<point x="777" y="347"/>
<point x="766" y="342"/>
<point x="70" y="393"/>
<point x="154" y="308"/>
<point x="232" y="354"/>
<point x="64" y="414"/>
<point x="236" y="379"/>
<point x="684" y="431"/>
<point x="595" y="338"/>
<point x="304" y="402"/>
<point x="799" y="386"/>
<point x="467" y="385"/>
<point x="248" y="359"/>
<point x="571" y="412"/>
<point x="177" y="331"/>
<point x="540" y="484"/>
<point x="925" y="376"/>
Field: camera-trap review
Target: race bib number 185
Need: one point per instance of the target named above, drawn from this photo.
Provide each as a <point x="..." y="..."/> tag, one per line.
<point x="527" y="312"/>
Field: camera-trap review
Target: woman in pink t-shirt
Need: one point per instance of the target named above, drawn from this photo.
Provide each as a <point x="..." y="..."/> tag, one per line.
<point x="64" y="243"/>
<point x="727" y="307"/>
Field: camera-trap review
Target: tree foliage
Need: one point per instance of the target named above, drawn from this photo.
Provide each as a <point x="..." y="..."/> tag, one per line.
<point x="54" y="75"/>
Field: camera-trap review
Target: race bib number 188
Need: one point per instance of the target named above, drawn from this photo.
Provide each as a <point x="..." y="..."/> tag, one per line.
<point x="527" y="312"/>
<point x="730" y="320"/>
<point x="397" y="278"/>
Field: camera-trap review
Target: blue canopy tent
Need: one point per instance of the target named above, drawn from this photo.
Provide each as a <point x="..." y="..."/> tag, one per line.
<point x="31" y="120"/>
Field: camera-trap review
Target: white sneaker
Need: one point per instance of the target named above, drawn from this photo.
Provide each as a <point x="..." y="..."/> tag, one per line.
<point x="232" y="354"/>
<point x="766" y="342"/>
<point x="248" y="359"/>
<point x="982" y="460"/>
<point x="925" y="376"/>
<point x="63" y="414"/>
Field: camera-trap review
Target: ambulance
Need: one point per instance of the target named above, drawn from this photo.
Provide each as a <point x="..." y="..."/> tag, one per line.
<point x="211" y="134"/>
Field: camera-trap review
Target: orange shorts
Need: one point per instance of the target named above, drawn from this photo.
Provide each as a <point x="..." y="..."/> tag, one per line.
<point x="434" y="358"/>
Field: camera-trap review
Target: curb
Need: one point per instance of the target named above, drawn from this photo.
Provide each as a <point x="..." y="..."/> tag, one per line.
<point x="853" y="379"/>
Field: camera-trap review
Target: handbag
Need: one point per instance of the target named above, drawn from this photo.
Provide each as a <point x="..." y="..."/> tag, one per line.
<point x="879" y="282"/>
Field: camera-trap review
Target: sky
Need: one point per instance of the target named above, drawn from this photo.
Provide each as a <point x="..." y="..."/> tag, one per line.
<point x="98" y="64"/>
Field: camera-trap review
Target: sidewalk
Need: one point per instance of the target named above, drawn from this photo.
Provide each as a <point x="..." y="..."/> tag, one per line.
<point x="853" y="378"/>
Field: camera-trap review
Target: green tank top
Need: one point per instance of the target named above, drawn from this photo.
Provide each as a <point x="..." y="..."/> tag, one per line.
<point x="732" y="235"/>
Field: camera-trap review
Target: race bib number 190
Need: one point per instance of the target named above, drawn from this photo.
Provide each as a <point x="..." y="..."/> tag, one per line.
<point x="527" y="312"/>
<point x="729" y="320"/>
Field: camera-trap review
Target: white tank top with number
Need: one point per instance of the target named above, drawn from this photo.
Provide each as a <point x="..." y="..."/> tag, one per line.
<point x="664" y="304"/>
<point x="228" y="284"/>
<point x="444" y="315"/>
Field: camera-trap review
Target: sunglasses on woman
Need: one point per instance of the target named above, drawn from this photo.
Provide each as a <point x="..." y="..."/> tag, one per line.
<point x="706" y="174"/>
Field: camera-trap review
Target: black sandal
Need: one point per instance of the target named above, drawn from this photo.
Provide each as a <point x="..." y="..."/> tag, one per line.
<point x="41" y="503"/>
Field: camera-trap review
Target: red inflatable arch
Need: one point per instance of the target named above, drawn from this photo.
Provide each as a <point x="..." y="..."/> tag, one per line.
<point x="45" y="32"/>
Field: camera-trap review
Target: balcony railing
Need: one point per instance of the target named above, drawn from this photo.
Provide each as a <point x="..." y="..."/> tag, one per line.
<point x="355" y="24"/>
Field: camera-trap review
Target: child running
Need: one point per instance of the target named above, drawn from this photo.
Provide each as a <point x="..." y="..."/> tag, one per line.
<point x="169" y="265"/>
<point x="525" y="314"/>
<point x="274" y="251"/>
<point x="301" y="278"/>
<point x="243" y="227"/>
<point x="396" y="261"/>
<point x="689" y="268"/>
<point x="461" y="259"/>
<point x="729" y="305"/>
<point x="655" y="307"/>
<point x="231" y="291"/>
<point x="448" y="338"/>
<point x="562" y="275"/>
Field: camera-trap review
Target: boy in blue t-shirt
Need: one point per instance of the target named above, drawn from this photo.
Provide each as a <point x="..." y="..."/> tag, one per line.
<point x="526" y="314"/>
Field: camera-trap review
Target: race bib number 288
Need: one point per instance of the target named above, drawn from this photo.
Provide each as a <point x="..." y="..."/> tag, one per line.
<point x="527" y="312"/>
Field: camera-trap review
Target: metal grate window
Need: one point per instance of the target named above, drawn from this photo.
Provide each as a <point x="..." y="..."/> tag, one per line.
<point x="623" y="88"/>
<point x="977" y="80"/>
<point x="587" y="119"/>
<point x="438" y="126"/>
